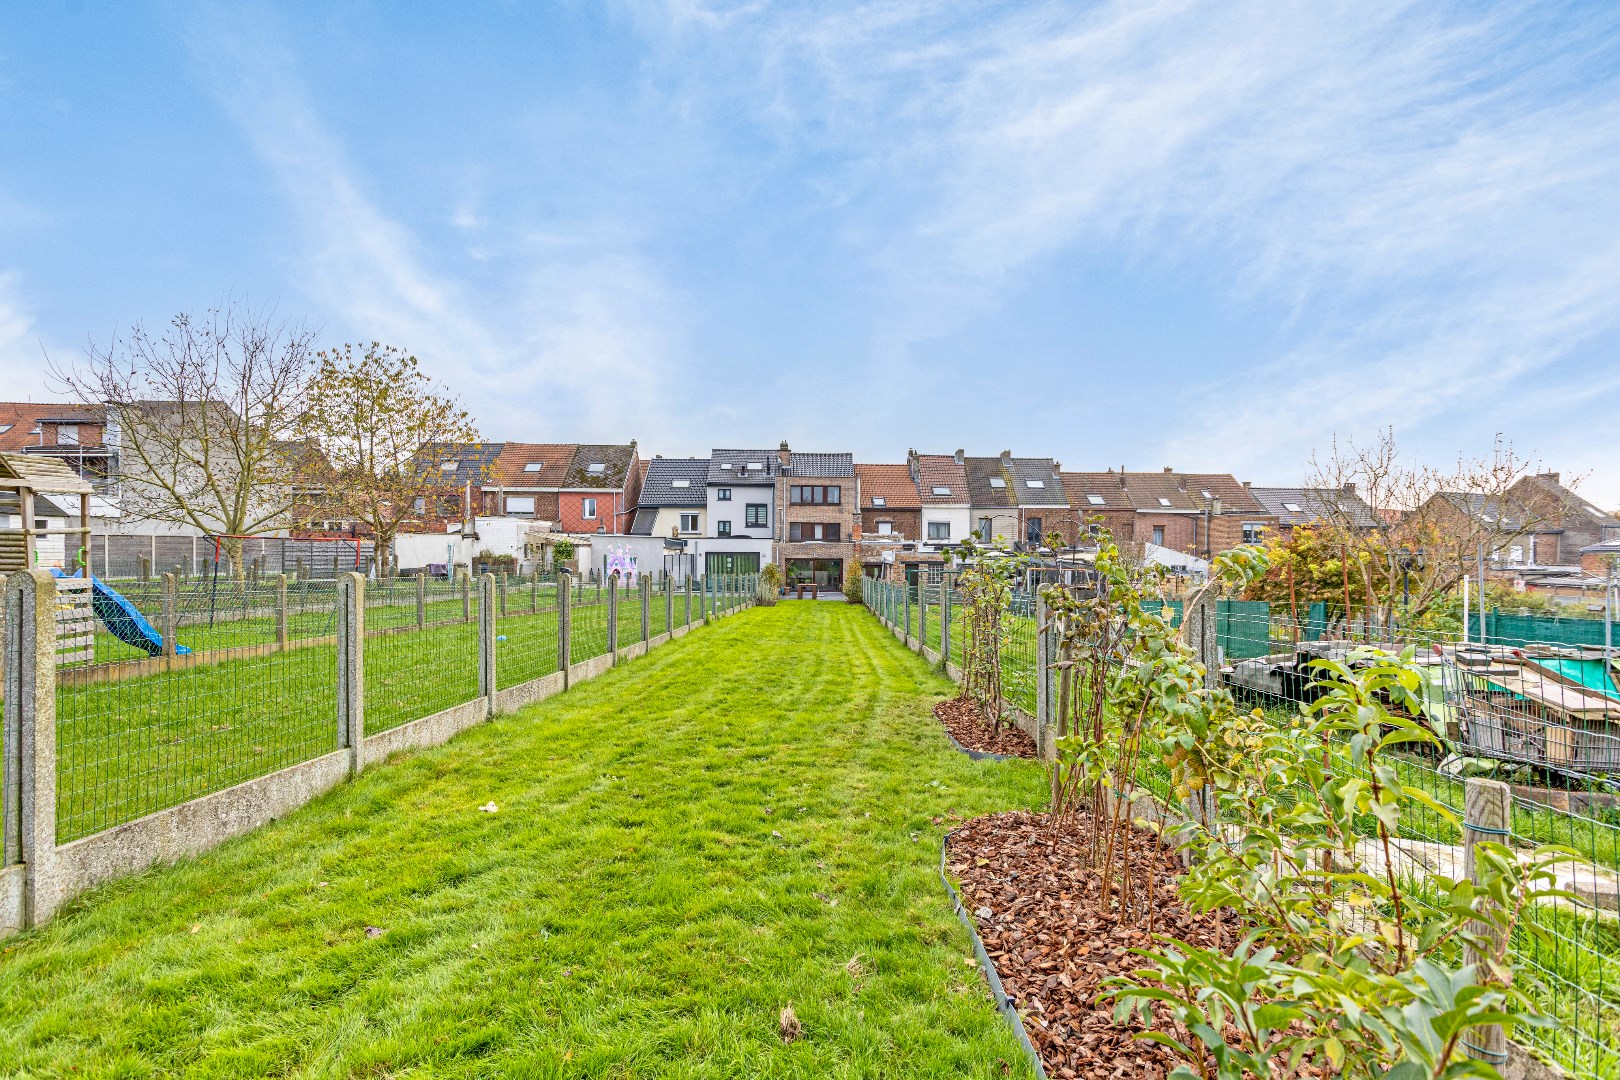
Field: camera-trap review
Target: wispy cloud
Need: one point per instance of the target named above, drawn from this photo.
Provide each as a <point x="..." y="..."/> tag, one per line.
<point x="522" y="351"/>
<point x="1429" y="194"/>
<point x="22" y="358"/>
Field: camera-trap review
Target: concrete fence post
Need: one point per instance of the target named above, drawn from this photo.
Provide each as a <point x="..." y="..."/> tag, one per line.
<point x="30" y="740"/>
<point x="146" y="568"/>
<point x="905" y="600"/>
<point x="686" y="616"/>
<point x="565" y="616"/>
<point x="922" y="607"/>
<point x="503" y="585"/>
<point x="1043" y="667"/>
<point x="351" y="656"/>
<point x="534" y="593"/>
<point x="421" y="600"/>
<point x="945" y="619"/>
<point x="170" y="614"/>
<point x="486" y="642"/>
<point x="646" y="611"/>
<point x="281" y="611"/>
<point x="1487" y="816"/>
<point x="669" y="605"/>
<point x="465" y="577"/>
<point x="613" y="620"/>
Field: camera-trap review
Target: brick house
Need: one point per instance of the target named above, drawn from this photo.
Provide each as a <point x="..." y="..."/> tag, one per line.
<point x="888" y="520"/>
<point x="1198" y="514"/>
<point x="600" y="489"/>
<point x="1100" y="501"/>
<point x="1232" y="515"/>
<point x="527" y="481"/>
<point x="816" y="499"/>
<point x="1561" y="523"/>
<point x="674" y="499"/>
<point x="1596" y="559"/>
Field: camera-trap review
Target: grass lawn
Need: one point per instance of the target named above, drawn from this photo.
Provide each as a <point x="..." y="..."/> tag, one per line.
<point x="746" y="818"/>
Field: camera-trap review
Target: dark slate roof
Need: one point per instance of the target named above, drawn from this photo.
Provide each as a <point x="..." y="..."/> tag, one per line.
<point x="1022" y="473"/>
<point x="615" y="460"/>
<point x="832" y="465"/>
<point x="1315" y="504"/>
<point x="739" y="473"/>
<point x="1487" y="508"/>
<point x="642" y="524"/>
<point x="475" y="462"/>
<point x="980" y="471"/>
<point x="658" y="487"/>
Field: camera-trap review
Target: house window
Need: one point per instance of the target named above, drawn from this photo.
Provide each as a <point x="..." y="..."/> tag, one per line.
<point x="1095" y="500"/>
<point x="449" y="506"/>
<point x="689" y="523"/>
<point x="1252" y="531"/>
<point x="419" y="505"/>
<point x="533" y="466"/>
<point x="885" y="528"/>
<point x="5" y="428"/>
<point x="997" y="482"/>
<point x="523" y="506"/>
<point x="723" y="528"/>
<point x="1032" y="530"/>
<point x="1163" y="501"/>
<point x="756" y="516"/>
<point x="939" y="530"/>
<point x="588" y="508"/>
<point x="941" y="489"/>
<point x="815" y="494"/>
<point x="722" y="494"/>
<point x="1292" y="508"/>
<point x="984" y="530"/>
<point x="879" y="500"/>
<point x="813" y="530"/>
<point x="1158" y="535"/>
<point x="680" y="483"/>
<point x="1516" y="554"/>
<point x="447" y="466"/>
<point x="596" y="468"/>
<point x="1035" y="483"/>
<point x="67" y="434"/>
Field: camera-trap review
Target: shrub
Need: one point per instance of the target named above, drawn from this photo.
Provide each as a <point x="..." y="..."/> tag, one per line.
<point x="853" y="577"/>
<point x="770" y="583"/>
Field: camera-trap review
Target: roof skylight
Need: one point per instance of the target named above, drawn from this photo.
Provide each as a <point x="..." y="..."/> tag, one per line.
<point x="880" y="500"/>
<point x="1292" y="508"/>
<point x="1096" y="500"/>
<point x="1163" y="501"/>
<point x="680" y="483"/>
<point x="596" y="468"/>
<point x="940" y="489"/>
<point x="533" y="466"/>
<point x="997" y="482"/>
<point x="1035" y="483"/>
<point x="447" y="466"/>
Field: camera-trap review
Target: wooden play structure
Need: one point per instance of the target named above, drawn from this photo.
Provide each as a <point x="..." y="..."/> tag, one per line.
<point x="24" y="545"/>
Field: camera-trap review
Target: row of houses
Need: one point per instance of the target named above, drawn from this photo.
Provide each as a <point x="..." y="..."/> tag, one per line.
<point x="821" y="515"/>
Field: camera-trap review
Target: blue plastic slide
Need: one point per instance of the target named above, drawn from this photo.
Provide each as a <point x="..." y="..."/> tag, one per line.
<point x="123" y="619"/>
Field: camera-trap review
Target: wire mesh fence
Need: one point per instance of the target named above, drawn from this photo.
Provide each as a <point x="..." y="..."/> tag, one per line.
<point x="528" y="623"/>
<point x="253" y="693"/>
<point x="419" y="659"/>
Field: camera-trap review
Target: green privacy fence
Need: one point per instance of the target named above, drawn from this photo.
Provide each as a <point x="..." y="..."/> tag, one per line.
<point x="1503" y="629"/>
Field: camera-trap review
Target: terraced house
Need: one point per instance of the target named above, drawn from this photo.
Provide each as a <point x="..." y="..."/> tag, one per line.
<point x="1019" y="499"/>
<point x="600" y="489"/>
<point x="816" y="496"/>
<point x="743" y="497"/>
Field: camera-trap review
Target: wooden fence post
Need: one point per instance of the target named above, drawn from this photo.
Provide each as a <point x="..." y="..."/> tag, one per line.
<point x="1487" y="816"/>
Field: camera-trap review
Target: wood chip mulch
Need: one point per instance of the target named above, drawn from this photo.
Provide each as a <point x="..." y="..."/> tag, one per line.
<point x="1034" y="901"/>
<point x="967" y="726"/>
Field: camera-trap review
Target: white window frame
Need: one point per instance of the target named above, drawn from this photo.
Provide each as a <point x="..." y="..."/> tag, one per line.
<point x="689" y="523"/>
<point x="587" y="508"/>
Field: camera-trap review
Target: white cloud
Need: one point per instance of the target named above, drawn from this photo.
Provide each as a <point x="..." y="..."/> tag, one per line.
<point x="1431" y="194"/>
<point x="22" y="356"/>
<point x="520" y="352"/>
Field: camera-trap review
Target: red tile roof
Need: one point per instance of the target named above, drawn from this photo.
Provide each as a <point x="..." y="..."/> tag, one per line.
<point x="891" y="483"/>
<point x="512" y="467"/>
<point x="941" y="470"/>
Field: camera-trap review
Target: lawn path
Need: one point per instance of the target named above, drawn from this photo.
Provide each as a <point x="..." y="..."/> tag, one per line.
<point x="681" y="848"/>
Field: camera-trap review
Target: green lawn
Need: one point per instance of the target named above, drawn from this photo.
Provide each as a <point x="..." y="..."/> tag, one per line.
<point x="746" y="818"/>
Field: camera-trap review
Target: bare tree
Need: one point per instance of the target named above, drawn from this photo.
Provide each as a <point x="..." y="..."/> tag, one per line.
<point x="1382" y="511"/>
<point x="377" y="419"/>
<point x="205" y="415"/>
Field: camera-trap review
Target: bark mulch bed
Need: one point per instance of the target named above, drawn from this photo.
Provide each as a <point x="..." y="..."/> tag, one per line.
<point x="1034" y="902"/>
<point x="967" y="726"/>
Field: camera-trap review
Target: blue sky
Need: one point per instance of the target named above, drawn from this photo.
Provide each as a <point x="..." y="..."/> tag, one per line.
<point x="1208" y="235"/>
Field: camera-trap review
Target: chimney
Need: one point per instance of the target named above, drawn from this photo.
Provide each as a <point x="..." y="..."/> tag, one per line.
<point x="1248" y="484"/>
<point x="1215" y="506"/>
<point x="1006" y="457"/>
<point x="1168" y="470"/>
<point x="783" y="457"/>
<point x="1550" y="477"/>
<point x="1349" y="489"/>
<point x="959" y="457"/>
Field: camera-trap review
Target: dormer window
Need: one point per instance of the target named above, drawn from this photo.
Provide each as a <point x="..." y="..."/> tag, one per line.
<point x="596" y="468"/>
<point x="1163" y="501"/>
<point x="879" y="500"/>
<point x="534" y="466"/>
<point x="997" y="482"/>
<point x="680" y="483"/>
<point x="941" y="490"/>
<point x="1035" y="483"/>
<point x="1095" y="500"/>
